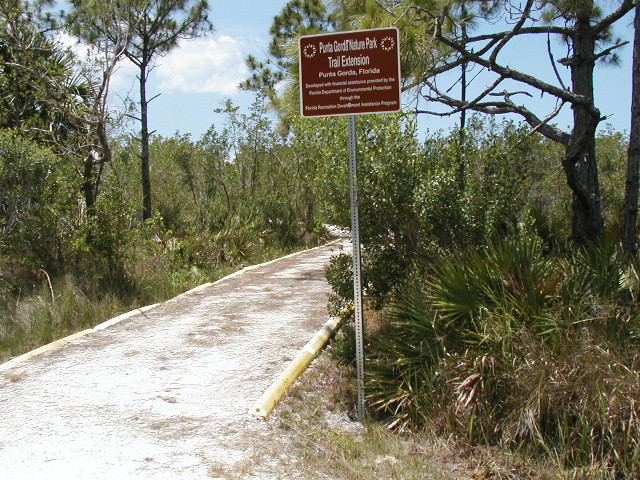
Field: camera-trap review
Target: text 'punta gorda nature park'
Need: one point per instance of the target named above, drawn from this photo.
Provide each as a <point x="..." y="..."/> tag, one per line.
<point x="349" y="45"/>
<point x="350" y="72"/>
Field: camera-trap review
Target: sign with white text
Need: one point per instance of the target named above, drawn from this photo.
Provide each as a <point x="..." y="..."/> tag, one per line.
<point x="349" y="73"/>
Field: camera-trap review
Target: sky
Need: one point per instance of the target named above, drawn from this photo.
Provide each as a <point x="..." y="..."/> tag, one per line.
<point x="199" y="75"/>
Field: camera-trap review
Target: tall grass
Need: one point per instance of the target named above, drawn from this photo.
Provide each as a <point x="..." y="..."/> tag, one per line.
<point x="514" y="346"/>
<point x="27" y="323"/>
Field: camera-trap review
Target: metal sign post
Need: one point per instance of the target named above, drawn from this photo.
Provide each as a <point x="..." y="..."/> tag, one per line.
<point x="350" y="73"/>
<point x="357" y="283"/>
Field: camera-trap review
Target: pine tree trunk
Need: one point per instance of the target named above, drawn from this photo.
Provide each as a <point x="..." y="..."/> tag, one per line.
<point x="629" y="240"/>
<point x="144" y="139"/>
<point x="463" y="114"/>
<point x="580" y="164"/>
<point x="88" y="185"/>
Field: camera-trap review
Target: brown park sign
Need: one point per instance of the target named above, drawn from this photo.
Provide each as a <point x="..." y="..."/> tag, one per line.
<point x="349" y="73"/>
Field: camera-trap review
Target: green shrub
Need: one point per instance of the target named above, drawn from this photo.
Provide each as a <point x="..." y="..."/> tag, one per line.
<point x="38" y="203"/>
<point x="413" y="204"/>
<point x="510" y="345"/>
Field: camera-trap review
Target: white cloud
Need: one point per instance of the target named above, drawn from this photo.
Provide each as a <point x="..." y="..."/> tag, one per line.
<point x="203" y="65"/>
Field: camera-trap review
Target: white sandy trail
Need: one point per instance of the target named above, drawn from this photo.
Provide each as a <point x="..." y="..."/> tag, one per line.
<point x="163" y="394"/>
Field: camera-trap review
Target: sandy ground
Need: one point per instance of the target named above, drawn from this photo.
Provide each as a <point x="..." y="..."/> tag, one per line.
<point x="164" y="394"/>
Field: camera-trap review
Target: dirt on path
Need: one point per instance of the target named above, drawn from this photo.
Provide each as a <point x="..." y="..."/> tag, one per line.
<point x="164" y="394"/>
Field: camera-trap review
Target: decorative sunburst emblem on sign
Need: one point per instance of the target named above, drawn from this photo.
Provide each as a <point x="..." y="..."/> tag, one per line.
<point x="388" y="43"/>
<point x="309" y="51"/>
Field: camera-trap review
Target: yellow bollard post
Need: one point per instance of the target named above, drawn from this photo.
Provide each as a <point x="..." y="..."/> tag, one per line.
<point x="270" y="397"/>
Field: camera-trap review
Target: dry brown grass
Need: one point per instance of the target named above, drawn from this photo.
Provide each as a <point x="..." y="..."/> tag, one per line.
<point x="318" y="438"/>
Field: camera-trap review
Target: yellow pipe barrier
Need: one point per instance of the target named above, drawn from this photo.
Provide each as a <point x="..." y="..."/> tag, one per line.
<point x="270" y="397"/>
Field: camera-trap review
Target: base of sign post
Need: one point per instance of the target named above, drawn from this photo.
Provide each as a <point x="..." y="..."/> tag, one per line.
<point x="357" y="284"/>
